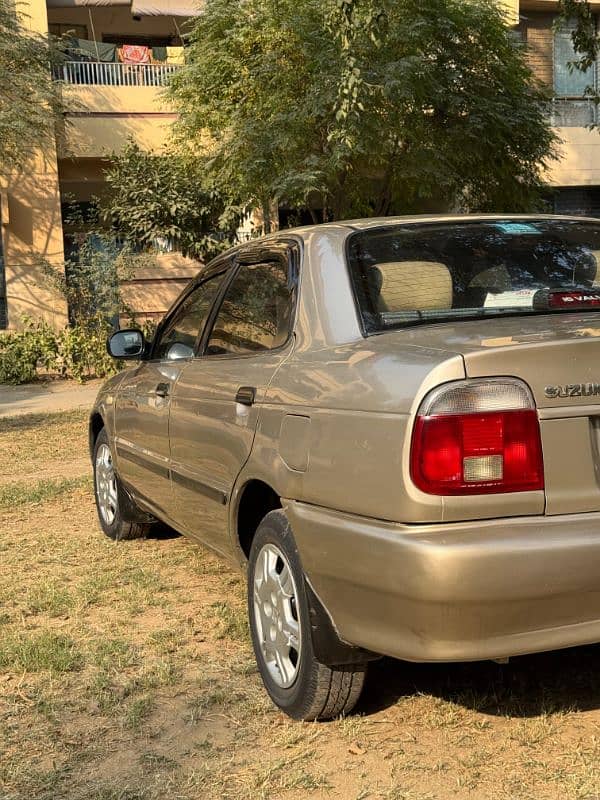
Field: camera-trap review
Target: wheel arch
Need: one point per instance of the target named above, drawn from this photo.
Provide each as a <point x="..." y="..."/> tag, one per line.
<point x="96" y="424"/>
<point x="253" y="502"/>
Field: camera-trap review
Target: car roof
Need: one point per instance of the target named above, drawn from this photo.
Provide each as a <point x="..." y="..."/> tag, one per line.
<point x="379" y="222"/>
<point x="343" y="228"/>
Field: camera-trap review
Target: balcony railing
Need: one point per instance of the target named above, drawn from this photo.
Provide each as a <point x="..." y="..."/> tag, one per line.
<point x="108" y="74"/>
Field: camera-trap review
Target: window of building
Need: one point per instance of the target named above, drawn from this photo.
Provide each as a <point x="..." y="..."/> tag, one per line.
<point x="569" y="81"/>
<point x="67" y="29"/>
<point x="256" y="311"/>
<point x="571" y="106"/>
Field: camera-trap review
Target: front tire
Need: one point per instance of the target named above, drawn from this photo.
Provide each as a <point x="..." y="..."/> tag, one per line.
<point x="111" y="498"/>
<point x="279" y="618"/>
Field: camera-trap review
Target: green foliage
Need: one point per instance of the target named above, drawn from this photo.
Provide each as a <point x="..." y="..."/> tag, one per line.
<point x="78" y="351"/>
<point x="359" y="107"/>
<point x="22" y="352"/>
<point x="29" y="98"/>
<point x="151" y="197"/>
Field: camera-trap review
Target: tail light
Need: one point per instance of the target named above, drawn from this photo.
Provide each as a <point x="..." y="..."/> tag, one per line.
<point x="477" y="437"/>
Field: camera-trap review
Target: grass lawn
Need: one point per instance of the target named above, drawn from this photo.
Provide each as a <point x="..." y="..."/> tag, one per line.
<point x="126" y="674"/>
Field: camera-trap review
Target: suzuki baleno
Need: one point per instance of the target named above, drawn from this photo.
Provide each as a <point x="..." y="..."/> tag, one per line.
<point x="393" y="427"/>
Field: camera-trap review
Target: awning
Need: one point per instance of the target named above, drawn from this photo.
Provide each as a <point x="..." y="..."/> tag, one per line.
<point x="166" y="8"/>
<point x="79" y="3"/>
<point x="140" y="8"/>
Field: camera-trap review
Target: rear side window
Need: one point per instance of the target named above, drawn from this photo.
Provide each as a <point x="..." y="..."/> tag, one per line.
<point x="429" y="272"/>
<point x="255" y="314"/>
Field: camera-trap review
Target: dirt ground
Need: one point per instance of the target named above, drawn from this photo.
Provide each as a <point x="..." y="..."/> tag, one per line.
<point x="126" y="674"/>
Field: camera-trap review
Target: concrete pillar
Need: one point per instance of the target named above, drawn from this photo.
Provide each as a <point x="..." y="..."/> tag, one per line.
<point x="31" y="221"/>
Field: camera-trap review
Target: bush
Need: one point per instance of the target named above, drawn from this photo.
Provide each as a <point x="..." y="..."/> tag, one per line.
<point x="78" y="351"/>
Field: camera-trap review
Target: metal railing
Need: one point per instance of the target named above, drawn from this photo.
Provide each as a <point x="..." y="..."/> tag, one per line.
<point x="109" y="74"/>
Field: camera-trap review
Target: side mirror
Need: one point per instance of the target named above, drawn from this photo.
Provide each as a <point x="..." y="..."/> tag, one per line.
<point x="179" y="350"/>
<point x="126" y="344"/>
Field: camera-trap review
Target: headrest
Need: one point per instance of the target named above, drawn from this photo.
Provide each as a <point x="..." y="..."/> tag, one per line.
<point x="414" y="285"/>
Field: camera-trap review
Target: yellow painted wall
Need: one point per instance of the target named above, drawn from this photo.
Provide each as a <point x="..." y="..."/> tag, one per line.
<point x="152" y="289"/>
<point x="103" y="118"/>
<point x="580" y="158"/>
<point x="31" y="222"/>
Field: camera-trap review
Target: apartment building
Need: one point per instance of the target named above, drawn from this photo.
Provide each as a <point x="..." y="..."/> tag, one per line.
<point x="112" y="95"/>
<point x="123" y="52"/>
<point x="574" y="180"/>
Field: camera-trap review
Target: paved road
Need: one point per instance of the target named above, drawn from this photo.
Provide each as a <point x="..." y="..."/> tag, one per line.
<point x="36" y="398"/>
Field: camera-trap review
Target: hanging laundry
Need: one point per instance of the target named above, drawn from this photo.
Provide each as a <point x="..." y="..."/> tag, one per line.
<point x="175" y="55"/>
<point x="159" y="55"/>
<point x="134" y="54"/>
<point x="88" y="50"/>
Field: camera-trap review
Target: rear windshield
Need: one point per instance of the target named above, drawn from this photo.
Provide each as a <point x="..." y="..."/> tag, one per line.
<point x="430" y="272"/>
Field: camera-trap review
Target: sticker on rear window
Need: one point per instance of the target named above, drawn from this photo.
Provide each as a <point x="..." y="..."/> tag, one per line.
<point x="516" y="227"/>
<point x="518" y="297"/>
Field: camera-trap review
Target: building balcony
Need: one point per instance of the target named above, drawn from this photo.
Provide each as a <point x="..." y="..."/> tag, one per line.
<point x="98" y="73"/>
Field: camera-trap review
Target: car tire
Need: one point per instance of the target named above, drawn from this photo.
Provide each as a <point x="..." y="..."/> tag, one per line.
<point x="279" y="618"/>
<point x="114" y="506"/>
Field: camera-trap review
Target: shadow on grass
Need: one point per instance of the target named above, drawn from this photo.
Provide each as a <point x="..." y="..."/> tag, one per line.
<point x="161" y="531"/>
<point x="560" y="681"/>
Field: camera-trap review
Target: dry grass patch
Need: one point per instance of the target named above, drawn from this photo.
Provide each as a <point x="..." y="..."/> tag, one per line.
<point x="48" y="446"/>
<point x="126" y="673"/>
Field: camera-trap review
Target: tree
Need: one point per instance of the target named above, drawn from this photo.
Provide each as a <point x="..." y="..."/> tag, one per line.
<point x="359" y="107"/>
<point x="150" y="196"/>
<point x="29" y="98"/>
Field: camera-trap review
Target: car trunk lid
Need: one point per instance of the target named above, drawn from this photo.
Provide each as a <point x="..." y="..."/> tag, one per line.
<point x="558" y="356"/>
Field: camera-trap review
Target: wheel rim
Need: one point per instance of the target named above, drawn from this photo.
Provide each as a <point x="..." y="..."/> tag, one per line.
<point x="276" y="615"/>
<point x="106" y="485"/>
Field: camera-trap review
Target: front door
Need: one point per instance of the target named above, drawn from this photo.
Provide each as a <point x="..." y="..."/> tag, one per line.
<point x="216" y="402"/>
<point x="144" y="401"/>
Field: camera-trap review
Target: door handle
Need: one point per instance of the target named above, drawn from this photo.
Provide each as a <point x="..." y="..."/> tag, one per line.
<point x="245" y="395"/>
<point x="162" y="390"/>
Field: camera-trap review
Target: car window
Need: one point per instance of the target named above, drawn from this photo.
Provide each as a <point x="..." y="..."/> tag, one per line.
<point x="178" y="339"/>
<point x="256" y="311"/>
<point x="428" y="272"/>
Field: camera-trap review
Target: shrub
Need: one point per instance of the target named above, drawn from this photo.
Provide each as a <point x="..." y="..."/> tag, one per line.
<point x="23" y="352"/>
<point x="78" y="351"/>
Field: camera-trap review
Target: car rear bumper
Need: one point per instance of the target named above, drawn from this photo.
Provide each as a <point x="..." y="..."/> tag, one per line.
<point x="454" y="591"/>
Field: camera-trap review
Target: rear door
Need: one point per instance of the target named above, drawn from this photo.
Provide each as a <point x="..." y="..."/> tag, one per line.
<point x="217" y="399"/>
<point x="144" y="401"/>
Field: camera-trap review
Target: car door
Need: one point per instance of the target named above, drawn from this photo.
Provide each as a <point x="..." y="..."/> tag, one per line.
<point x="144" y="401"/>
<point x="216" y="401"/>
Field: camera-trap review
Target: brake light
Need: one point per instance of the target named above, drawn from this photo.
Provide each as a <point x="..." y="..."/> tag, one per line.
<point x="477" y="437"/>
<point x="573" y="300"/>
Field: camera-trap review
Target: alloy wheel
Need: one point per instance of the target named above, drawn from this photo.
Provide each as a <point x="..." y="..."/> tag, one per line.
<point x="276" y="615"/>
<point x="106" y="485"/>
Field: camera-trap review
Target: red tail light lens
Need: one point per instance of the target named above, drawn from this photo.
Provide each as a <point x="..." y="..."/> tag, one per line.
<point x="480" y="452"/>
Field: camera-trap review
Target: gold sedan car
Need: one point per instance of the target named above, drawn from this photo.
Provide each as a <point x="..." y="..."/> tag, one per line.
<point x="392" y="425"/>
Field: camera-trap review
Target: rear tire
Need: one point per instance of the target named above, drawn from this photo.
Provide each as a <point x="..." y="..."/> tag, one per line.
<point x="278" y="612"/>
<point x="113" y="504"/>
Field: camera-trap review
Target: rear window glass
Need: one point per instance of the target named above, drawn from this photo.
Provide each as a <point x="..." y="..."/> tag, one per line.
<point x="404" y="274"/>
